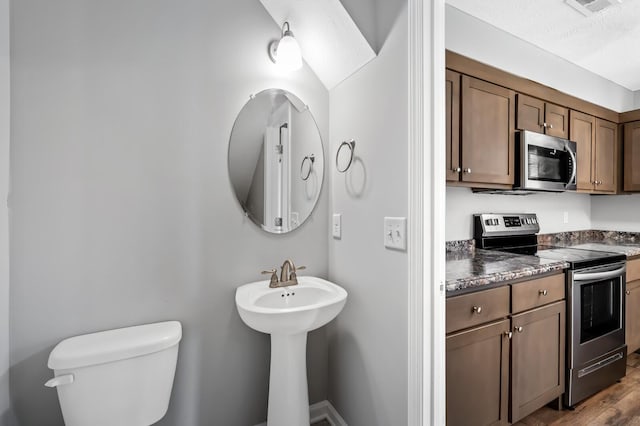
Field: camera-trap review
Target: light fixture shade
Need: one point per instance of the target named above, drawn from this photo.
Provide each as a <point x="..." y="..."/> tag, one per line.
<point x="285" y="53"/>
<point x="288" y="56"/>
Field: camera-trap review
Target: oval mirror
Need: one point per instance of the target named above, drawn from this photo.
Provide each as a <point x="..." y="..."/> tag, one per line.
<point x="276" y="160"/>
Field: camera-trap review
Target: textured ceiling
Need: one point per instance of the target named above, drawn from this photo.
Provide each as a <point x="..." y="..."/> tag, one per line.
<point x="606" y="43"/>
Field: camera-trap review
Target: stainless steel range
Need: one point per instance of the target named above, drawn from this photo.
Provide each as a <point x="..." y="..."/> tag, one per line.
<point x="595" y="284"/>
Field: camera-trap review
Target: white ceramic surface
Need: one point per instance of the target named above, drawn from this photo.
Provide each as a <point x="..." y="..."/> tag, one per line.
<point x="290" y="310"/>
<point x="288" y="313"/>
<point x="116" y="377"/>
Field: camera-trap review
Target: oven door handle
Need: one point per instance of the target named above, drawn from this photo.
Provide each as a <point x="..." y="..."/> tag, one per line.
<point x="588" y="276"/>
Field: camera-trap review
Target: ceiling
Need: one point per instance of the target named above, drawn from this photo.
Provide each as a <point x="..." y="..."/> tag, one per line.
<point x="605" y="43"/>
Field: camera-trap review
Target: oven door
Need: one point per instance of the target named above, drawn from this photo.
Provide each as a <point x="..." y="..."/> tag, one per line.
<point x="597" y="312"/>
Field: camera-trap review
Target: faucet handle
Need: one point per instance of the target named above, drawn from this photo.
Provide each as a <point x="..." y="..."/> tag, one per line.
<point x="299" y="268"/>
<point x="274" y="276"/>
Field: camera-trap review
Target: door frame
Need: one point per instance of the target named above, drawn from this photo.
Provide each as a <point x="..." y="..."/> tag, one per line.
<point x="427" y="190"/>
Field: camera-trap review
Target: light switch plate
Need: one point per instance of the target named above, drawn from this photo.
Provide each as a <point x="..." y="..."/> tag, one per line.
<point x="395" y="233"/>
<point x="337" y="226"/>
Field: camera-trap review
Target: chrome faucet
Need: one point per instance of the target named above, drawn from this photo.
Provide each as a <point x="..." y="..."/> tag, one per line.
<point x="287" y="275"/>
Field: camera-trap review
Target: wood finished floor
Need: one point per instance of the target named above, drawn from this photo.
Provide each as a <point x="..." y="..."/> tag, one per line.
<point x="617" y="405"/>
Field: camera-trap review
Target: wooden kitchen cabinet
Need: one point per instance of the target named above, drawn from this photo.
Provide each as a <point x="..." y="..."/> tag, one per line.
<point x="486" y="134"/>
<point x="452" y="113"/>
<point x="537" y="359"/>
<point x="632" y="156"/>
<point x="501" y="368"/>
<point x="597" y="150"/>
<point x="632" y="306"/>
<point x="542" y="117"/>
<point x="477" y="375"/>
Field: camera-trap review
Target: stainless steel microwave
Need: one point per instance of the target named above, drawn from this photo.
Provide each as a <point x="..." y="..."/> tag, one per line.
<point x="544" y="163"/>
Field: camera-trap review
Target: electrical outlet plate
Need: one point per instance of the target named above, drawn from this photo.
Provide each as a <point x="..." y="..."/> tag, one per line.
<point x="395" y="233"/>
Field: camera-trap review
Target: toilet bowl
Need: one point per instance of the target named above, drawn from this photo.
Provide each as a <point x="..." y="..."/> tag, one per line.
<point x="116" y="377"/>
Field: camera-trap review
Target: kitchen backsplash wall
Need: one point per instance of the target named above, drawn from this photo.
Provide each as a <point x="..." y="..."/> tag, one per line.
<point x="462" y="203"/>
<point x="616" y="212"/>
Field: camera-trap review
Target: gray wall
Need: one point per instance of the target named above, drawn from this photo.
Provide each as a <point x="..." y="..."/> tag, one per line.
<point x="122" y="208"/>
<point x="4" y="213"/>
<point x="368" y="341"/>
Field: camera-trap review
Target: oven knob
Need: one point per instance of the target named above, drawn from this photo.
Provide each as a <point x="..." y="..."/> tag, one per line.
<point x="488" y="222"/>
<point x="496" y="222"/>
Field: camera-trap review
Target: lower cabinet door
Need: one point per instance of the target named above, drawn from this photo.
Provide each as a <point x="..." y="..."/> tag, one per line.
<point x="632" y="319"/>
<point x="478" y="375"/>
<point x="538" y="359"/>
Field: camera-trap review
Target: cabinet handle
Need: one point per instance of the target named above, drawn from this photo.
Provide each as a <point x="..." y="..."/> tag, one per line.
<point x="477" y="309"/>
<point x="508" y="334"/>
<point x="467" y="171"/>
<point x="628" y="292"/>
<point x="542" y="292"/>
<point x="456" y="170"/>
<point x="518" y="329"/>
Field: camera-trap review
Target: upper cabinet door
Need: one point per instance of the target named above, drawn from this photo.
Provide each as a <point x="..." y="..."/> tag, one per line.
<point x="488" y="127"/>
<point x="583" y="132"/>
<point x="542" y="117"/>
<point x="556" y="119"/>
<point x="632" y="156"/>
<point x="452" y="87"/>
<point x="530" y="113"/>
<point x="606" y="152"/>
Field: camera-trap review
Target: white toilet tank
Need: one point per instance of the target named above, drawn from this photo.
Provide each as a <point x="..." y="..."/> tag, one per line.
<point x="117" y="377"/>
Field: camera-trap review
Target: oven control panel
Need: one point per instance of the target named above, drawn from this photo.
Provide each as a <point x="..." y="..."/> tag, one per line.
<point x="504" y="224"/>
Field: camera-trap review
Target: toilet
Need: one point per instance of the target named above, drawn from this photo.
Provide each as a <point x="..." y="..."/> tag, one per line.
<point x="117" y="377"/>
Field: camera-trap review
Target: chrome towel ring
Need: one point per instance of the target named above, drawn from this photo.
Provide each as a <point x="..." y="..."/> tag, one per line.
<point x="311" y="159"/>
<point x="351" y="146"/>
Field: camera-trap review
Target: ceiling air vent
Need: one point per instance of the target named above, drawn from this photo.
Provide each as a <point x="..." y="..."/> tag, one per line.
<point x="589" y="7"/>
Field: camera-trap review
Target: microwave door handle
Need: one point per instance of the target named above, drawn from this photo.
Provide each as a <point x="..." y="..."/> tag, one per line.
<point x="589" y="276"/>
<point x="572" y="179"/>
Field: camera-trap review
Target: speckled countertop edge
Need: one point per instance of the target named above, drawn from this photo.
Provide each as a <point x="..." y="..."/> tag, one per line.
<point x="508" y="267"/>
<point x="483" y="269"/>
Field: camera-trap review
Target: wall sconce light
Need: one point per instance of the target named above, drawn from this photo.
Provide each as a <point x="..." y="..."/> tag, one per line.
<point x="286" y="52"/>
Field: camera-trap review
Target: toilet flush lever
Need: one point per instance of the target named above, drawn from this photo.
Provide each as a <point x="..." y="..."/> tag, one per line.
<point x="65" y="379"/>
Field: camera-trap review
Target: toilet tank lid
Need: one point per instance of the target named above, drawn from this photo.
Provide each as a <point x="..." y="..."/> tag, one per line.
<point x="114" y="345"/>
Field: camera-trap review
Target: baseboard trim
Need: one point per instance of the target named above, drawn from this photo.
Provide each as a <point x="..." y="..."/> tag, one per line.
<point x="322" y="410"/>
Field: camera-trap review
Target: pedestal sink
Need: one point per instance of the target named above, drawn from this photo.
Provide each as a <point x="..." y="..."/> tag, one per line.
<point x="288" y="314"/>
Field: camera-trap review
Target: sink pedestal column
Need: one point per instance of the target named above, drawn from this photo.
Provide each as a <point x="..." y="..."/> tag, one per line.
<point x="288" y="392"/>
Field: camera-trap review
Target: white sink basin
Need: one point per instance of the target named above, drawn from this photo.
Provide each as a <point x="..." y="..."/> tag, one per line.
<point x="290" y="310"/>
<point x="288" y="313"/>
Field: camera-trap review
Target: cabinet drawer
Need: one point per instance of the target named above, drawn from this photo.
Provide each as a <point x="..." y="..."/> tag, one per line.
<point x="477" y="308"/>
<point x="633" y="270"/>
<point x="534" y="293"/>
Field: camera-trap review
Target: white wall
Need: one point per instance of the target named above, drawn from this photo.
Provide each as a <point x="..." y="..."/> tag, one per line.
<point x="4" y="213"/>
<point x="616" y="212"/>
<point x="122" y="209"/>
<point x="476" y="39"/>
<point x="368" y="341"/>
<point x="550" y="208"/>
<point x="636" y="96"/>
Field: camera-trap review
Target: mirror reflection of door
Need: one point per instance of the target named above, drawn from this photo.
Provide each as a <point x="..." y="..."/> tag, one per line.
<point x="274" y="134"/>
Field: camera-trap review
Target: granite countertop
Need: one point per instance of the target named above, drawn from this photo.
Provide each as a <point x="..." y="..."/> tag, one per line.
<point x="476" y="269"/>
<point x="470" y="269"/>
